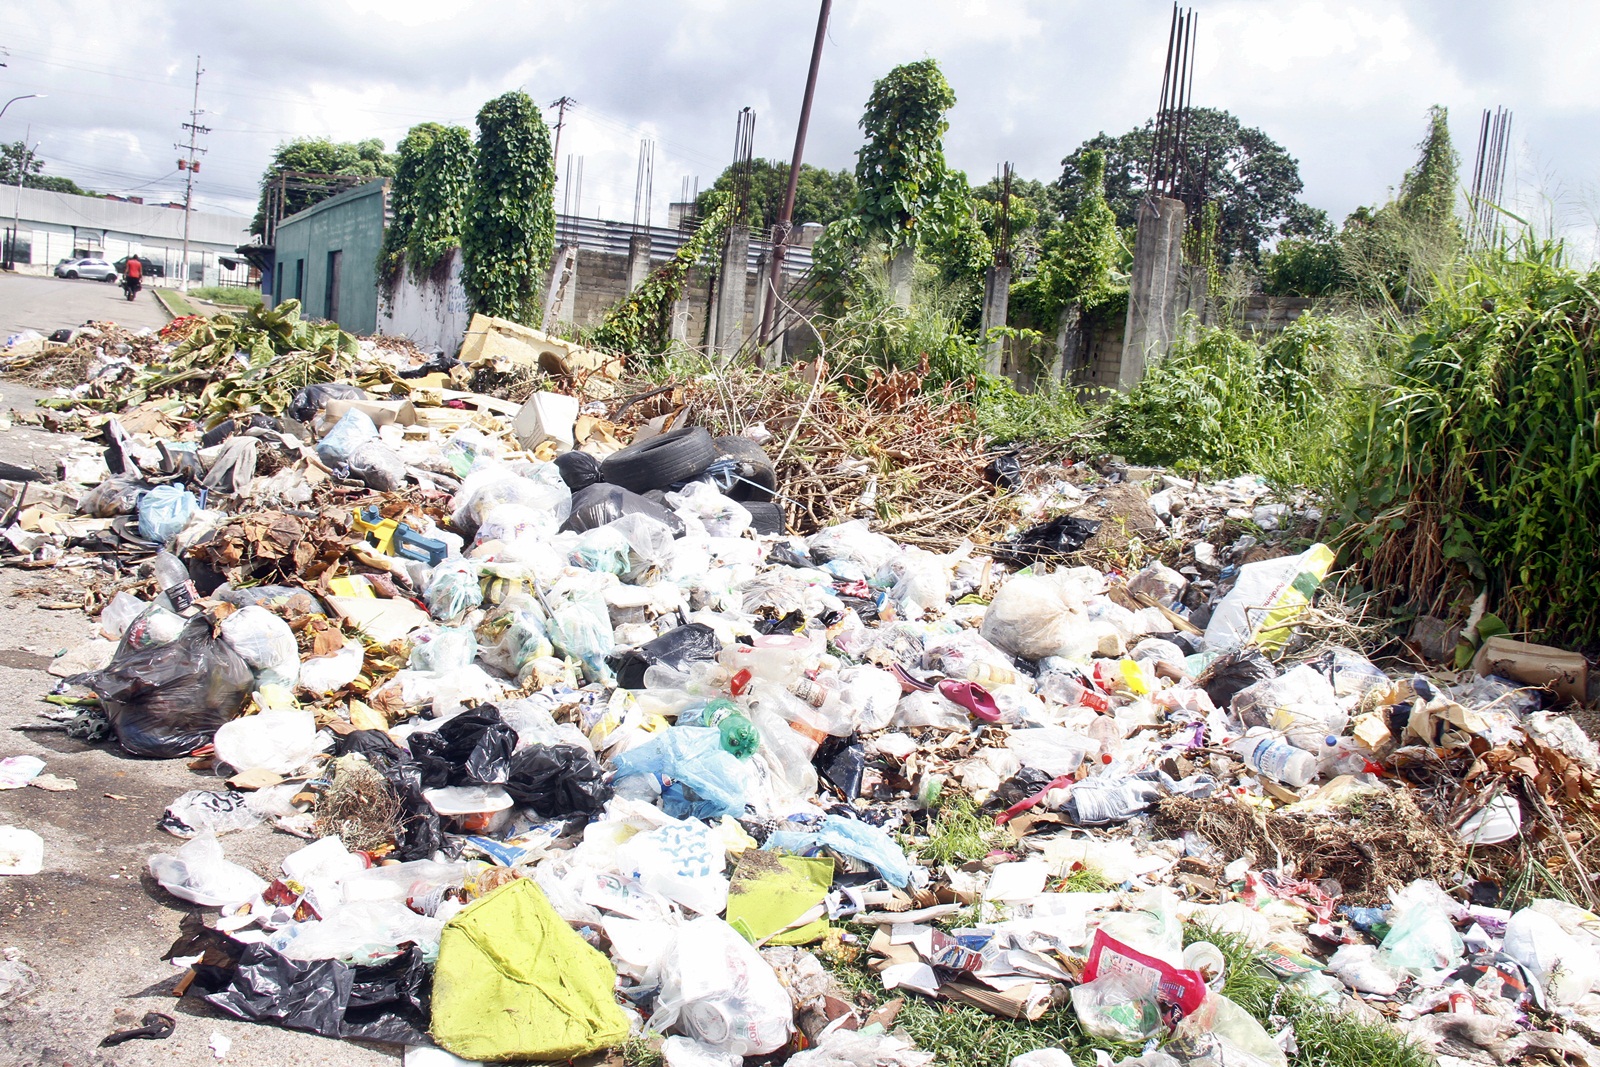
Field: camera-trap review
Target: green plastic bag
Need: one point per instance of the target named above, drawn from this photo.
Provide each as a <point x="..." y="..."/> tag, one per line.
<point x="515" y="982"/>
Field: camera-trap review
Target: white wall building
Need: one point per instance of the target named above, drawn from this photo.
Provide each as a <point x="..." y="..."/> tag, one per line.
<point x="57" y="226"/>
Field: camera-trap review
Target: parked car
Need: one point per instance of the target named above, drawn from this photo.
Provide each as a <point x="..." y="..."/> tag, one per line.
<point x="97" y="269"/>
<point x="152" y="269"/>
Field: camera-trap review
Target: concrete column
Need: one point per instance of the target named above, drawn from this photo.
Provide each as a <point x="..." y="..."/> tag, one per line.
<point x="901" y="269"/>
<point x="560" y="295"/>
<point x="996" y="306"/>
<point x="1153" y="289"/>
<point x="732" y="287"/>
<point x="1069" y="344"/>
<point x="638" y="260"/>
<point x="679" y="329"/>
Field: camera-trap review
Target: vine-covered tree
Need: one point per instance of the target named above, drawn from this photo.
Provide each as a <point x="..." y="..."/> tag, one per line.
<point x="318" y="155"/>
<point x="15" y="157"/>
<point x="821" y="196"/>
<point x="1253" y="181"/>
<point x="1428" y="191"/>
<point x="900" y="171"/>
<point x="510" y="223"/>
<point x="428" y="201"/>
<point x="408" y="176"/>
<point x="1077" y="258"/>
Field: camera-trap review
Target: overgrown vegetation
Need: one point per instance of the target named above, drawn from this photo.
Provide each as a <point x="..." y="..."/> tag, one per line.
<point x="357" y="161"/>
<point x="642" y="322"/>
<point x="510" y="227"/>
<point x="428" y="200"/>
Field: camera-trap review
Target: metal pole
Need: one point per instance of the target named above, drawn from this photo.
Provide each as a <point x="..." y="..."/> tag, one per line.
<point x="16" y="218"/>
<point x="780" y="231"/>
<point x="194" y="128"/>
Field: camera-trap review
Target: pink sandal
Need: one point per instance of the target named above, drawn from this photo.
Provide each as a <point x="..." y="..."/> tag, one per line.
<point x="972" y="696"/>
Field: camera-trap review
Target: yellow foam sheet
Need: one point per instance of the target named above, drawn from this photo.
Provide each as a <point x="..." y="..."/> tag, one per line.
<point x="770" y="891"/>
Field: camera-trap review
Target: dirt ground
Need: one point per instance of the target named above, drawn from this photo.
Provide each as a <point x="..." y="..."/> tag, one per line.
<point x="93" y="924"/>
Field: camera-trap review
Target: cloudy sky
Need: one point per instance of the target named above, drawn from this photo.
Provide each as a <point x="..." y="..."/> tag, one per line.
<point x="1342" y="85"/>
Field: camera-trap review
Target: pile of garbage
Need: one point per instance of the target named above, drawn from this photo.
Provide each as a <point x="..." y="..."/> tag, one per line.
<point x="585" y="745"/>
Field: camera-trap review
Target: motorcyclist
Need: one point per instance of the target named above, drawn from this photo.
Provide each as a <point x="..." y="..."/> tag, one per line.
<point x="132" y="275"/>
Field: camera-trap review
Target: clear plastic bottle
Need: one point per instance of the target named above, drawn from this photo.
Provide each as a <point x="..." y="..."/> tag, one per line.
<point x="172" y="578"/>
<point x="1268" y="753"/>
<point x="1108" y="735"/>
<point x="1340" y="755"/>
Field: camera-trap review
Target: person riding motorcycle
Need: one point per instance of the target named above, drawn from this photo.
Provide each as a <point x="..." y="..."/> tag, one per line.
<point x="132" y="276"/>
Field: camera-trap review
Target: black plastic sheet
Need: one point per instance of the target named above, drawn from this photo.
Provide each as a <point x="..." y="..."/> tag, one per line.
<point x="678" y="648"/>
<point x="471" y="748"/>
<point x="557" y="780"/>
<point x="1233" y="672"/>
<point x="1061" y="536"/>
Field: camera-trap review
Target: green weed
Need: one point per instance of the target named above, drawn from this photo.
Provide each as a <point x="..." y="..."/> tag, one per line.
<point x="228" y="294"/>
<point x="958" y="833"/>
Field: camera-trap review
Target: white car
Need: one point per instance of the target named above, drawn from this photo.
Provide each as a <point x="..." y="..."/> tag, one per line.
<point x="97" y="269"/>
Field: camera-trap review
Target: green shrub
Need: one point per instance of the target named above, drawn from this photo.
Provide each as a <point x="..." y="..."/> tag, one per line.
<point x="1304" y="268"/>
<point x="239" y="296"/>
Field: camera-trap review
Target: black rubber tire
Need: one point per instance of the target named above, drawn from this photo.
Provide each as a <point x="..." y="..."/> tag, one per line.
<point x="766" y="518"/>
<point x="72" y="275"/>
<point x="754" y="466"/>
<point x="679" y="455"/>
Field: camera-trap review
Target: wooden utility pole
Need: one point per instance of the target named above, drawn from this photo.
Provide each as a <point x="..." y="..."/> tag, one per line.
<point x="561" y="120"/>
<point x="780" y="230"/>
<point x="191" y="166"/>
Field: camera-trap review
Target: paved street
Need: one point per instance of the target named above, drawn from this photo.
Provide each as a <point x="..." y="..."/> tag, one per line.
<point x="48" y="304"/>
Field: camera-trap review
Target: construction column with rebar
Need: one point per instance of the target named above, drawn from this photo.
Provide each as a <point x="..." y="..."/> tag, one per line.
<point x="732" y="285"/>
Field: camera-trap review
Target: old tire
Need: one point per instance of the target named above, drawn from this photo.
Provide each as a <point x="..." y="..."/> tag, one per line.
<point x="72" y="275"/>
<point x="676" y="456"/>
<point x="765" y="517"/>
<point x="757" y="479"/>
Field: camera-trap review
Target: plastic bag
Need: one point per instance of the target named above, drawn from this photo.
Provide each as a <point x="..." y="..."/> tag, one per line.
<point x="535" y="486"/>
<point x="514" y="636"/>
<point x="918" y="581"/>
<point x="442" y="649"/>
<point x="1061" y="536"/>
<point x="720" y="516"/>
<point x="855" y="542"/>
<point x="679" y="648"/>
<point x="871" y="694"/>
<point x="1220" y="1032"/>
<point x="198" y="873"/>
<point x="1118" y="1007"/>
<point x="473" y="747"/>
<point x="848" y="837"/>
<point x="855" y="1048"/>
<point x="277" y="741"/>
<point x="201" y="811"/>
<point x="716" y="988"/>
<point x="266" y="643"/>
<point x="117" y="495"/>
<point x="453" y="589"/>
<point x="683" y="861"/>
<point x="313" y="398"/>
<point x="347" y="435"/>
<point x="704" y="780"/>
<point x="579" y="470"/>
<point x="387" y="1002"/>
<point x="581" y="629"/>
<point x="1564" y="967"/>
<point x="556" y="780"/>
<point x="168" y="700"/>
<point x="601" y="503"/>
<point x="1267" y="598"/>
<point x="1035" y="617"/>
<point x="321" y="675"/>
<point x="164" y="511"/>
<point x="1234" y="672"/>
<point x="376" y="464"/>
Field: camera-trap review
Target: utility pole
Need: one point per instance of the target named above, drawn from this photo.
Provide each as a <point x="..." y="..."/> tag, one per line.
<point x="191" y="166"/>
<point x="780" y="231"/>
<point x="16" y="219"/>
<point x="561" y="120"/>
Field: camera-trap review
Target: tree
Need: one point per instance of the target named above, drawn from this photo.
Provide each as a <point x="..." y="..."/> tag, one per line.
<point x="409" y="174"/>
<point x="1078" y="257"/>
<point x="1304" y="267"/>
<point x="1032" y="214"/>
<point x="821" y="196"/>
<point x="1428" y="191"/>
<point x="358" y="160"/>
<point x="510" y="227"/>
<point x="1251" y="178"/>
<point x="900" y="171"/>
<point x="12" y="159"/>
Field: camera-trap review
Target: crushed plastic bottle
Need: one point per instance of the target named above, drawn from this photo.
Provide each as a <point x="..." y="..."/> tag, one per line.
<point x="1269" y="754"/>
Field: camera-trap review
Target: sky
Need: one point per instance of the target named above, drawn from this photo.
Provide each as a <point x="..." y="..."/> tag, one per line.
<point x="1343" y="86"/>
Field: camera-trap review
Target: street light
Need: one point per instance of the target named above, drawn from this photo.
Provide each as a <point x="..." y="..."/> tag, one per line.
<point x="16" y="217"/>
<point x="14" y="99"/>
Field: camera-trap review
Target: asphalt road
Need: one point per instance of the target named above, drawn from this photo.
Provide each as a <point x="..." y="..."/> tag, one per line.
<point x="48" y="304"/>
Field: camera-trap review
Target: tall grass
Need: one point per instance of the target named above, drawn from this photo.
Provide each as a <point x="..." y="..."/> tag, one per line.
<point x="1477" y="468"/>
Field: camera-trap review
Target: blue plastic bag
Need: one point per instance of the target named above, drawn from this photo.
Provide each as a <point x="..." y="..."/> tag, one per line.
<point x="355" y="429"/>
<point x="453" y="589"/>
<point x="164" y="511"/>
<point x="703" y="780"/>
<point x="858" y="840"/>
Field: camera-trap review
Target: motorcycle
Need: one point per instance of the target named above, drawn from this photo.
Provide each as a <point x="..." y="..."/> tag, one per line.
<point x="130" y="287"/>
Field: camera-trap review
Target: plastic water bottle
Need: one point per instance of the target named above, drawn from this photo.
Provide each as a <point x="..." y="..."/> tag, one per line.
<point x="1108" y="735"/>
<point x="177" y="591"/>
<point x="1269" y="754"/>
<point x="1340" y="756"/>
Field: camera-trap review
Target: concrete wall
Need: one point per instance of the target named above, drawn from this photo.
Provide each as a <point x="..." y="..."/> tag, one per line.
<point x="431" y="311"/>
<point x="350" y="224"/>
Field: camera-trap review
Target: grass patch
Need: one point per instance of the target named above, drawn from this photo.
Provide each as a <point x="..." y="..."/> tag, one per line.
<point x="238" y="296"/>
<point x="175" y="303"/>
<point x="958" y="833"/>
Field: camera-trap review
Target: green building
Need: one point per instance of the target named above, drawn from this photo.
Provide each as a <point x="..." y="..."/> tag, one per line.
<point x="327" y="257"/>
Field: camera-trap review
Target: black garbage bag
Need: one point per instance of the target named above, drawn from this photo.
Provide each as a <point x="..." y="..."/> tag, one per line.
<point x="845" y="768"/>
<point x="438" y="363"/>
<point x="1061" y="536"/>
<point x="785" y="554"/>
<point x="1004" y="471"/>
<point x="473" y="747"/>
<point x="313" y="398"/>
<point x="1233" y="672"/>
<point x="165" y="701"/>
<point x="421" y="832"/>
<point x="601" y="503"/>
<point x="387" y="1002"/>
<point x="557" y="780"/>
<point x="1020" y="786"/>
<point x="678" y="648"/>
<point x="579" y="470"/>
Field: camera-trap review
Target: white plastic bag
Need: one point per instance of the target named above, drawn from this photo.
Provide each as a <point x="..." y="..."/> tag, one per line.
<point x="321" y="675"/>
<point x="1565" y="968"/>
<point x="198" y="873"/>
<point x="1266" y="599"/>
<point x="684" y="862"/>
<point x="716" y="989"/>
<point x="277" y="741"/>
<point x="266" y="643"/>
<point x="1034" y="617"/>
<point x="21" y="851"/>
